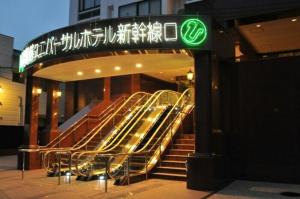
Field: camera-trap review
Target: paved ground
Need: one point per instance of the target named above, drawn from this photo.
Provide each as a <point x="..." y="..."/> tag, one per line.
<point x="37" y="185"/>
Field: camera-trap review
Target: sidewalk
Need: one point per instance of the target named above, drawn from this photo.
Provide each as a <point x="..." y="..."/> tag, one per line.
<point x="36" y="185"/>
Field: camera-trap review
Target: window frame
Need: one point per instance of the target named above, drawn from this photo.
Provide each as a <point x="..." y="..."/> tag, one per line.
<point x="137" y="7"/>
<point x="81" y="6"/>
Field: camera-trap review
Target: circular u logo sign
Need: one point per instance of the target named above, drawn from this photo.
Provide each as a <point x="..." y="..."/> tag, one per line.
<point x="193" y="32"/>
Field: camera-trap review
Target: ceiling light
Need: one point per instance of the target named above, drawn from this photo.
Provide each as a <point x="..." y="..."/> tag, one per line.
<point x="117" y="68"/>
<point x="79" y="73"/>
<point x="294" y="19"/>
<point x="139" y="65"/>
<point x="258" y="25"/>
<point x="97" y="71"/>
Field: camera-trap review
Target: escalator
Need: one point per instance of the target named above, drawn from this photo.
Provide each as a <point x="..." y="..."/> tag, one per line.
<point x="108" y="126"/>
<point x="149" y="132"/>
<point x="149" y="153"/>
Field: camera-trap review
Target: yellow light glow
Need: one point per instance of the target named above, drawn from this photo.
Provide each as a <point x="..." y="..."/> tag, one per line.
<point x="38" y="91"/>
<point x="139" y="65"/>
<point x="294" y="19"/>
<point x="97" y="71"/>
<point x="258" y="25"/>
<point x="58" y="93"/>
<point x="117" y="68"/>
<point x="1" y="89"/>
<point x="79" y="73"/>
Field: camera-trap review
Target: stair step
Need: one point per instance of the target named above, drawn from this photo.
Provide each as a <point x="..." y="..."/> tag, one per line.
<point x="176" y="157"/>
<point x="172" y="168"/>
<point x="185" y="141"/>
<point x="171" y="163"/>
<point x="180" y="177"/>
<point x="184" y="146"/>
<point x="187" y="136"/>
<point x="180" y="151"/>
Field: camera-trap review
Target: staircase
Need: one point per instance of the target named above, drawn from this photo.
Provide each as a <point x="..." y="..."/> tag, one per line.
<point x="173" y="163"/>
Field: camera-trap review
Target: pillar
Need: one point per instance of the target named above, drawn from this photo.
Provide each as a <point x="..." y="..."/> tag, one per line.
<point x="52" y="112"/>
<point x="106" y="90"/>
<point x="203" y="168"/>
<point x="32" y="160"/>
<point x="135" y="83"/>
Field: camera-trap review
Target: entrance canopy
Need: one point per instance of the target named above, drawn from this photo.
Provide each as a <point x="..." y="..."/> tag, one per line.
<point x="127" y="45"/>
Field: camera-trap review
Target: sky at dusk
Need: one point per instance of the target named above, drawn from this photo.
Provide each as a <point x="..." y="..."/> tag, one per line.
<point x="27" y="19"/>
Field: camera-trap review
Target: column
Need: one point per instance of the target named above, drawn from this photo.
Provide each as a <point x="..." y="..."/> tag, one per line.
<point x="33" y="91"/>
<point x="203" y="168"/>
<point x="135" y="83"/>
<point x="53" y="96"/>
<point x="106" y="90"/>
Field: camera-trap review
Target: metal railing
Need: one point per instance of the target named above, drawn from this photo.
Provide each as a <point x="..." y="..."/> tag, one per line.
<point x="152" y="149"/>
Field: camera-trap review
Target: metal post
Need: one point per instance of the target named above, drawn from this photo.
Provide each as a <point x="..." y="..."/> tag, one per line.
<point x="23" y="165"/>
<point x="128" y="170"/>
<point x="59" y="168"/>
<point x="70" y="165"/>
<point x="146" y="165"/>
<point x="160" y="153"/>
<point x="106" y="174"/>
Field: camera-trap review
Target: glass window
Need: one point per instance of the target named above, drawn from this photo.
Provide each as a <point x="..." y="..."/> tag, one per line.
<point x="127" y="11"/>
<point x="88" y="4"/>
<point x="155" y="7"/>
<point x="143" y="8"/>
<point x="97" y="3"/>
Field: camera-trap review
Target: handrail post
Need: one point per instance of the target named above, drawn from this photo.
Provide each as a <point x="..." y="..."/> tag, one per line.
<point x="160" y="153"/>
<point x="128" y="170"/>
<point x="23" y="164"/>
<point x="59" y="168"/>
<point x="106" y="173"/>
<point x="70" y="165"/>
<point x="146" y="165"/>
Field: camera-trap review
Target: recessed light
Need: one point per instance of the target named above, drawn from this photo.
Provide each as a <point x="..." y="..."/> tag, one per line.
<point x="117" y="68"/>
<point x="294" y="19"/>
<point x="79" y="73"/>
<point x="138" y="65"/>
<point x="258" y="25"/>
<point x="97" y="71"/>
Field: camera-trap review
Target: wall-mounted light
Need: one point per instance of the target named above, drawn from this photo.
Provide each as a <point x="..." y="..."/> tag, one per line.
<point x="190" y="75"/>
<point x="36" y="91"/>
<point x="56" y="94"/>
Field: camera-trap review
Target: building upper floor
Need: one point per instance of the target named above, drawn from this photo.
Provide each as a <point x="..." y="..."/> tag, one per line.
<point x="85" y="10"/>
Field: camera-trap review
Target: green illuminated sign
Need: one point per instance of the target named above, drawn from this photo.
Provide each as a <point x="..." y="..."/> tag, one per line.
<point x="193" y="32"/>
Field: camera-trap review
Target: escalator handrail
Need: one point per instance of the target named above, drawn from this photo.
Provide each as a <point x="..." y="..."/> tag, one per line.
<point x="140" y="117"/>
<point x="165" y="119"/>
<point x="100" y="128"/>
<point x="63" y="136"/>
<point x="111" y="117"/>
